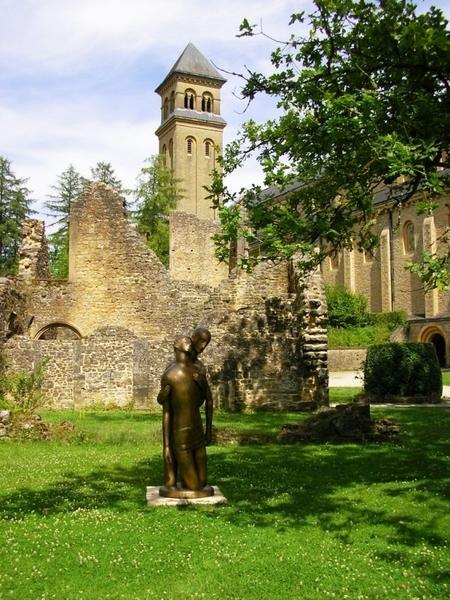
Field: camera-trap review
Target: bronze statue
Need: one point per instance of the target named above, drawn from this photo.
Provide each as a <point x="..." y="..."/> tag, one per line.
<point x="184" y="389"/>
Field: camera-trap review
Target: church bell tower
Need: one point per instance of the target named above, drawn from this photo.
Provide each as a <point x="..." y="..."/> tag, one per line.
<point x="191" y="127"/>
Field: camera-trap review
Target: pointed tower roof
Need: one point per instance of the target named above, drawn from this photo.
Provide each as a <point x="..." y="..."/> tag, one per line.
<point x="193" y="63"/>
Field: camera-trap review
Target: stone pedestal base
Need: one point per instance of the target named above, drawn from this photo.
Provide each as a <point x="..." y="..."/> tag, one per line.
<point x="155" y="499"/>
<point x="179" y="492"/>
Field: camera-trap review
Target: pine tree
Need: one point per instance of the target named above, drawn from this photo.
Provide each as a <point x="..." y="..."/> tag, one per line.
<point x="68" y="188"/>
<point x="104" y="172"/>
<point x="14" y="208"/>
<point x="155" y="195"/>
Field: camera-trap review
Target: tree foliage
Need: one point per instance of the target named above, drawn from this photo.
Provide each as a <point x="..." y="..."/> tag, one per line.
<point x="346" y="308"/>
<point x="103" y="172"/>
<point x="21" y="391"/>
<point x="363" y="103"/>
<point x="14" y="208"/>
<point x="67" y="189"/>
<point x="156" y="194"/>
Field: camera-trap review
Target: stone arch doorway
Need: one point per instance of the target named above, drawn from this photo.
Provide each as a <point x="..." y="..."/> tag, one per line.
<point x="436" y="337"/>
<point x="58" y="331"/>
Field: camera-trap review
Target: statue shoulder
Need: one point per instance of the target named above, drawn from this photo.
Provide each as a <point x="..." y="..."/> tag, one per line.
<point x="200" y="367"/>
<point x="174" y="373"/>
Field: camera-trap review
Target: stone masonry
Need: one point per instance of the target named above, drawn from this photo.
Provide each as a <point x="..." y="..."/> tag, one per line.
<point x="108" y="331"/>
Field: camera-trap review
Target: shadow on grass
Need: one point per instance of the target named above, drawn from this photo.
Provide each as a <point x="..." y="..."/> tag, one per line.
<point x="120" y="488"/>
<point x="398" y="490"/>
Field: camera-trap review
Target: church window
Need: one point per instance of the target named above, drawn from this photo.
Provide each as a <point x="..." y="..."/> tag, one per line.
<point x="172" y="102"/>
<point x="189" y="99"/>
<point x="171" y="153"/>
<point x="207" y="148"/>
<point x="166" y="108"/>
<point x="409" y="244"/>
<point x="190" y="146"/>
<point x="207" y="103"/>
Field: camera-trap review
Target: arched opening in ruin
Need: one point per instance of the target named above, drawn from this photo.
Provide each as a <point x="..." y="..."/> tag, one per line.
<point x="58" y="331"/>
<point x="436" y="337"/>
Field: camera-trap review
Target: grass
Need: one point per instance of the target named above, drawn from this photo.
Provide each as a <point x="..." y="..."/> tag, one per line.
<point x="303" y="521"/>
<point x="358" y="337"/>
<point x="343" y="395"/>
<point x="445" y="377"/>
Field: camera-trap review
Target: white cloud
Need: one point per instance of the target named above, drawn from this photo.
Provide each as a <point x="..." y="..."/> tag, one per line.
<point x="77" y="77"/>
<point x="55" y="36"/>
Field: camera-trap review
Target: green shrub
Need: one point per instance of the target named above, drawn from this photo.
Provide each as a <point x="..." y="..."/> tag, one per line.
<point x="21" y="391"/>
<point x="391" y="320"/>
<point x="348" y="309"/>
<point x="402" y="369"/>
<point x="345" y="308"/>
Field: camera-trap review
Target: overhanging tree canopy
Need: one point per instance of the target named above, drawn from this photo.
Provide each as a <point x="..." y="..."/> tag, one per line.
<point x="363" y="102"/>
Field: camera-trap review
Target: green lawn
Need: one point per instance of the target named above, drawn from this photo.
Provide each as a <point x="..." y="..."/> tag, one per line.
<point x="342" y="395"/>
<point x="304" y="521"/>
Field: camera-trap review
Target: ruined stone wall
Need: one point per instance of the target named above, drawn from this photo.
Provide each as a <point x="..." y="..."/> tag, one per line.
<point x="114" y="278"/>
<point x="27" y="354"/>
<point x="346" y="359"/>
<point x="272" y="348"/>
<point x="314" y="340"/>
<point x="192" y="250"/>
<point x="33" y="255"/>
<point x="14" y="317"/>
<point x="110" y="367"/>
<point x="267" y="348"/>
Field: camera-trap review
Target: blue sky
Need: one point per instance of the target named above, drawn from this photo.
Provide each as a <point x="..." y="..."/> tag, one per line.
<point x="77" y="77"/>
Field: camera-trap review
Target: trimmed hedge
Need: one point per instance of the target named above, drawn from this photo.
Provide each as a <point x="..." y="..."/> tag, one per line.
<point x="402" y="369"/>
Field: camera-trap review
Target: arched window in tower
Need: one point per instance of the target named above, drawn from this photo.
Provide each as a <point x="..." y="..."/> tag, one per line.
<point x="207" y="103"/>
<point x="409" y="243"/>
<point x="171" y="154"/>
<point x="172" y="102"/>
<point x="190" y="144"/>
<point x="164" y="153"/>
<point x="189" y="99"/>
<point x="208" y="148"/>
<point x="166" y="108"/>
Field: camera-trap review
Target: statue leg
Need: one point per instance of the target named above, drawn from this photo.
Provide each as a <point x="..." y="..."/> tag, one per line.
<point x="188" y="471"/>
<point x="200" y="461"/>
<point x="170" y="470"/>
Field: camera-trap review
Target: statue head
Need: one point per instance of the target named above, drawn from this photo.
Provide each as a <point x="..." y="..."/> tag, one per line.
<point x="183" y="344"/>
<point x="200" y="339"/>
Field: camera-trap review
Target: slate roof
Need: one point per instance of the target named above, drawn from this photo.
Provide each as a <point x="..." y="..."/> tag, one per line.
<point x="380" y="197"/>
<point x="193" y="63"/>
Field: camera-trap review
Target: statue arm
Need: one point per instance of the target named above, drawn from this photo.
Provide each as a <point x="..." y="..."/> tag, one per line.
<point x="208" y="414"/>
<point x="201" y="380"/>
<point x="164" y="393"/>
<point x="167" y="425"/>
